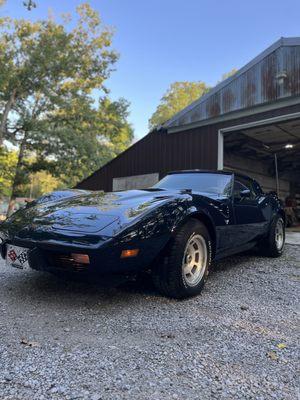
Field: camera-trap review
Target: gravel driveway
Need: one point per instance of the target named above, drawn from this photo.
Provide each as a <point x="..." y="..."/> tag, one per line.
<point x="238" y="340"/>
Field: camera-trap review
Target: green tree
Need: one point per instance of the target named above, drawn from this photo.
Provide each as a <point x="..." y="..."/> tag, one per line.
<point x="178" y="96"/>
<point x="8" y="162"/>
<point x="40" y="183"/>
<point x="32" y="185"/>
<point x="48" y="76"/>
<point x="229" y="74"/>
<point x="46" y="61"/>
<point x="79" y="138"/>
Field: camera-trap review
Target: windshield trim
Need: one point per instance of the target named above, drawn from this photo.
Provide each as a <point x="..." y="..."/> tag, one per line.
<point x="189" y="187"/>
<point x="200" y="171"/>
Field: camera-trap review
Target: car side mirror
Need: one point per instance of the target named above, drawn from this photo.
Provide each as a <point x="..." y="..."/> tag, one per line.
<point x="245" y="193"/>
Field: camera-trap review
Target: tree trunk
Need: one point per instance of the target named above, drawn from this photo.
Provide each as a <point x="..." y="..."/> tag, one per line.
<point x="16" y="180"/>
<point x="6" y="111"/>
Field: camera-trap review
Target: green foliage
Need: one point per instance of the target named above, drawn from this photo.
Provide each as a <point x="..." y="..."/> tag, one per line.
<point x="44" y="59"/>
<point x="229" y="74"/>
<point x="8" y="163"/>
<point x="49" y="72"/>
<point x="32" y="185"/>
<point x="40" y="183"/>
<point x="178" y="96"/>
<point x="79" y="139"/>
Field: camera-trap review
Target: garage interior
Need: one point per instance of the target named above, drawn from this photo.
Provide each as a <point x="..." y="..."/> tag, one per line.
<point x="270" y="154"/>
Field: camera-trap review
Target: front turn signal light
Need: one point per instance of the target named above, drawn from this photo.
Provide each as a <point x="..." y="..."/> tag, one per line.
<point x="129" y="253"/>
<point x="80" y="258"/>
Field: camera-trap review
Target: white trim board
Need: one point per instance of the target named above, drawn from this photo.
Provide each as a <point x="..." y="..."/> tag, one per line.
<point x="253" y="124"/>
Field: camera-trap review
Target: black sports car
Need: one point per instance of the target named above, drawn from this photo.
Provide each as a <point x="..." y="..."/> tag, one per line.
<point x="174" y="229"/>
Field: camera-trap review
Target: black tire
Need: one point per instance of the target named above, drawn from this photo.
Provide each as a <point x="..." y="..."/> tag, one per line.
<point x="270" y="247"/>
<point x="169" y="276"/>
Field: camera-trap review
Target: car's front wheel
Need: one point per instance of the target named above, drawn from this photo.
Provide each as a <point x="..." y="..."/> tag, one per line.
<point x="184" y="267"/>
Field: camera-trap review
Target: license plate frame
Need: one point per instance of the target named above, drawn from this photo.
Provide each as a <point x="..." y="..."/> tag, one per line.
<point x="17" y="257"/>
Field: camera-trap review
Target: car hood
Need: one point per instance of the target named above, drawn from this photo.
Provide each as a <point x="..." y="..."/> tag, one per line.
<point x="87" y="212"/>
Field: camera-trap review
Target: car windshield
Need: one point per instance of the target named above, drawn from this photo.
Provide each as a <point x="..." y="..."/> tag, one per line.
<point x="219" y="184"/>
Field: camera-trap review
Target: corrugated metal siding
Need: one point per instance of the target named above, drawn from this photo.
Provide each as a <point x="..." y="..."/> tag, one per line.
<point x="291" y="64"/>
<point x="259" y="85"/>
<point x="158" y="152"/>
<point x="161" y="152"/>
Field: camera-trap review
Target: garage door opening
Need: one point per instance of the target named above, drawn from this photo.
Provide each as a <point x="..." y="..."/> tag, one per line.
<point x="269" y="152"/>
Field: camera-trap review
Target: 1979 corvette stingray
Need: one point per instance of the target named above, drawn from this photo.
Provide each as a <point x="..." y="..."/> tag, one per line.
<point x="175" y="229"/>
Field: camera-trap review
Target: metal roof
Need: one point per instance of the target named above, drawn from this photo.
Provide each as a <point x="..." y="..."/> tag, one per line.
<point x="271" y="76"/>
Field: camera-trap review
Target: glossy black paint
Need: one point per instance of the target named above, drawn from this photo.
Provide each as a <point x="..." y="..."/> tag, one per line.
<point x="103" y="224"/>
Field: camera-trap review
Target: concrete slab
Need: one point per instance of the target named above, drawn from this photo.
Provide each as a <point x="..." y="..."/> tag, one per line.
<point x="293" y="229"/>
<point x="293" y="238"/>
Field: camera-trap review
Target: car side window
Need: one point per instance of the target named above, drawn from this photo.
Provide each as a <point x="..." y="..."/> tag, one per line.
<point x="241" y="184"/>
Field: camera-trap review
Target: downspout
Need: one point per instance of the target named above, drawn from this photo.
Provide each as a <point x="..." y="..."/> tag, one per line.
<point x="276" y="173"/>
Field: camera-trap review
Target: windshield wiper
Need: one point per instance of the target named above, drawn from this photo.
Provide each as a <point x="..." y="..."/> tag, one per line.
<point x="153" y="189"/>
<point x="186" y="190"/>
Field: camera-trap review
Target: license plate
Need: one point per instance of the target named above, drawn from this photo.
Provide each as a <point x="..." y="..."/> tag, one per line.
<point x="17" y="257"/>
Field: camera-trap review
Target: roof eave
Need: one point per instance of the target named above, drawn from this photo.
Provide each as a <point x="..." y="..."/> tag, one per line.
<point x="236" y="114"/>
<point x="291" y="41"/>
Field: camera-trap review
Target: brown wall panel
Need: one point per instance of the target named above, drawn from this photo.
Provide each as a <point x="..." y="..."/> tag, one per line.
<point x="163" y="152"/>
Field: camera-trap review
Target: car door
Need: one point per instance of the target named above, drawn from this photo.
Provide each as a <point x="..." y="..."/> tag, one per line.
<point x="249" y="219"/>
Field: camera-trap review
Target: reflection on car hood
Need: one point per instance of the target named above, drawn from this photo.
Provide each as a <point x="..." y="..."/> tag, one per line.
<point x="89" y="212"/>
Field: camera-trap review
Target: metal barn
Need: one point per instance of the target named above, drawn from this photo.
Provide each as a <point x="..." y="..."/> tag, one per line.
<point x="248" y="123"/>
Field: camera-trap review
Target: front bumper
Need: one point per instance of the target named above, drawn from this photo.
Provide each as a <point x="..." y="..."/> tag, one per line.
<point x="105" y="259"/>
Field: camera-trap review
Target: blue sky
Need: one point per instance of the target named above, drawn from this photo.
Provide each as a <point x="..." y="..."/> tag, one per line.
<point x="162" y="41"/>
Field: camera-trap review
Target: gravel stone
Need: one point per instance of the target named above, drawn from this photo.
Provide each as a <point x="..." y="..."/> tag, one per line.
<point x="238" y="340"/>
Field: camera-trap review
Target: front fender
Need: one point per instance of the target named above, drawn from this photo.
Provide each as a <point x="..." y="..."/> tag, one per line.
<point x="202" y="216"/>
<point x="159" y="226"/>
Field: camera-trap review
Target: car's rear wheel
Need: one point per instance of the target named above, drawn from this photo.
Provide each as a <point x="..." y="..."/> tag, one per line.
<point x="273" y="246"/>
<point x="185" y="262"/>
